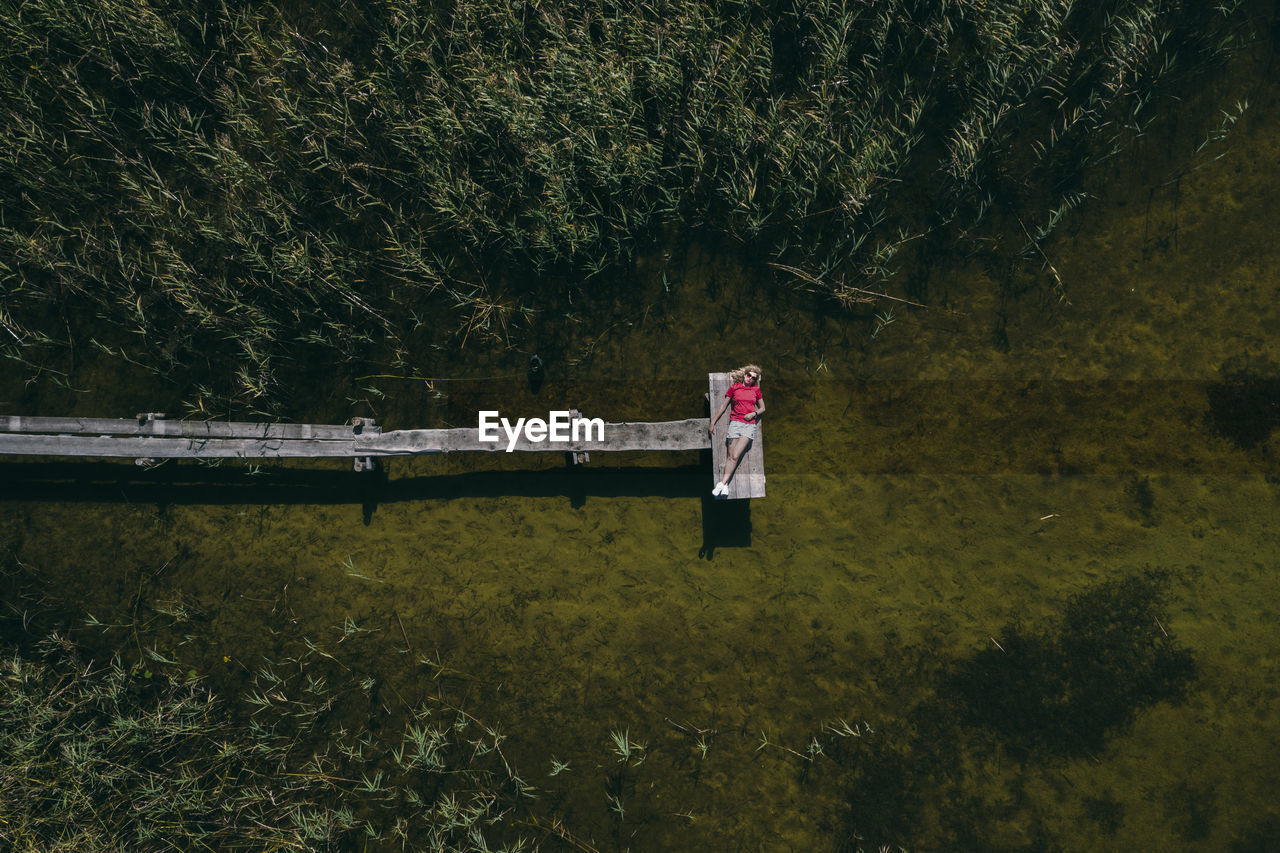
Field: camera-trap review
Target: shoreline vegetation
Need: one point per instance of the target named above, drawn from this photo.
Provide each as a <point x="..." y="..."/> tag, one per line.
<point x="146" y="757"/>
<point x="236" y="190"/>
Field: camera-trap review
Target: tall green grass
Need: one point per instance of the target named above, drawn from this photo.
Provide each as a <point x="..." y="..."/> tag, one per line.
<point x="104" y="757"/>
<point x="244" y="181"/>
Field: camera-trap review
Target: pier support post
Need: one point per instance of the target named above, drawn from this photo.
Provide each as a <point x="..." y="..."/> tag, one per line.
<point x="359" y="426"/>
<point x="578" y="456"/>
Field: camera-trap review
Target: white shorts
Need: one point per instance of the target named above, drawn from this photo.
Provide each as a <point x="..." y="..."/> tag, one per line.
<point x="737" y="429"/>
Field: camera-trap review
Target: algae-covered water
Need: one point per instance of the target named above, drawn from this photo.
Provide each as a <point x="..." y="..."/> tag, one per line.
<point x="1015" y="576"/>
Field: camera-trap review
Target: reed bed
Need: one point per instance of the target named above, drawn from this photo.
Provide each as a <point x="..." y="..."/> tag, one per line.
<point x="247" y="182"/>
<point x="115" y="757"/>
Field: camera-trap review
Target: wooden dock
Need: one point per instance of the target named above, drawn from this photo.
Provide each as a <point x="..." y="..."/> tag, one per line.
<point x="164" y="439"/>
<point x="152" y="437"/>
<point x="748" y="478"/>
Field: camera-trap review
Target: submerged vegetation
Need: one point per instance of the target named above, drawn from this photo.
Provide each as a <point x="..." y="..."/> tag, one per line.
<point x="1066" y="691"/>
<point x="246" y="182"/>
<point x="329" y="750"/>
<point x="1033" y="696"/>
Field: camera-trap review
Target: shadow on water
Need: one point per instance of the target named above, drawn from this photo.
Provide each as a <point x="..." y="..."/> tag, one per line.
<point x="1244" y="407"/>
<point x="1037" y="697"/>
<point x="1063" y="691"/>
<point x="725" y="524"/>
<point x="106" y="482"/>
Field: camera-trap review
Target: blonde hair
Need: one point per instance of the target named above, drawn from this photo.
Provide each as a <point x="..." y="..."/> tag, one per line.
<point x="741" y="372"/>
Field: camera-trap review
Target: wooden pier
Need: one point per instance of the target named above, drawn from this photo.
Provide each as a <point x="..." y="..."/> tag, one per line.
<point x="151" y="437"/>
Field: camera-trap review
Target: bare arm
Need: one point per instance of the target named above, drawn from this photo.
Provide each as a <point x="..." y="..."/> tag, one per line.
<point x="711" y="427"/>
<point x="759" y="410"/>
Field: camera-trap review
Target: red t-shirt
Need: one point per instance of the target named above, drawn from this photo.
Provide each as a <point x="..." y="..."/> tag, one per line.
<point x="744" y="400"/>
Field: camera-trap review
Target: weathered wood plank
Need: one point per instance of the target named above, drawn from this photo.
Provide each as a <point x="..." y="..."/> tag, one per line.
<point x="180" y="429"/>
<point x="748" y="479"/>
<point x="173" y="448"/>
<point x="669" y="435"/>
<point x="688" y="434"/>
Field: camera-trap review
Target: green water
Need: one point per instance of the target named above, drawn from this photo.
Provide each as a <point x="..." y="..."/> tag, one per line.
<point x="936" y="488"/>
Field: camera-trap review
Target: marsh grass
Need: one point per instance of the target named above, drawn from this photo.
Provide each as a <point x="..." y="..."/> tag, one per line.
<point x="242" y="185"/>
<point x="99" y="757"/>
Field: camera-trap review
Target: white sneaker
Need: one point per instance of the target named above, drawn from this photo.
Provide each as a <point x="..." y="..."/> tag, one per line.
<point x="720" y="489"/>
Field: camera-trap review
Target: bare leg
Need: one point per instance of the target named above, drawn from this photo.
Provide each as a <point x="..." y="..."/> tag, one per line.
<point x="736" y="449"/>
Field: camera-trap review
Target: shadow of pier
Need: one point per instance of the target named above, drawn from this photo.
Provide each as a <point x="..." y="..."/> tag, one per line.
<point x="724" y="523"/>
